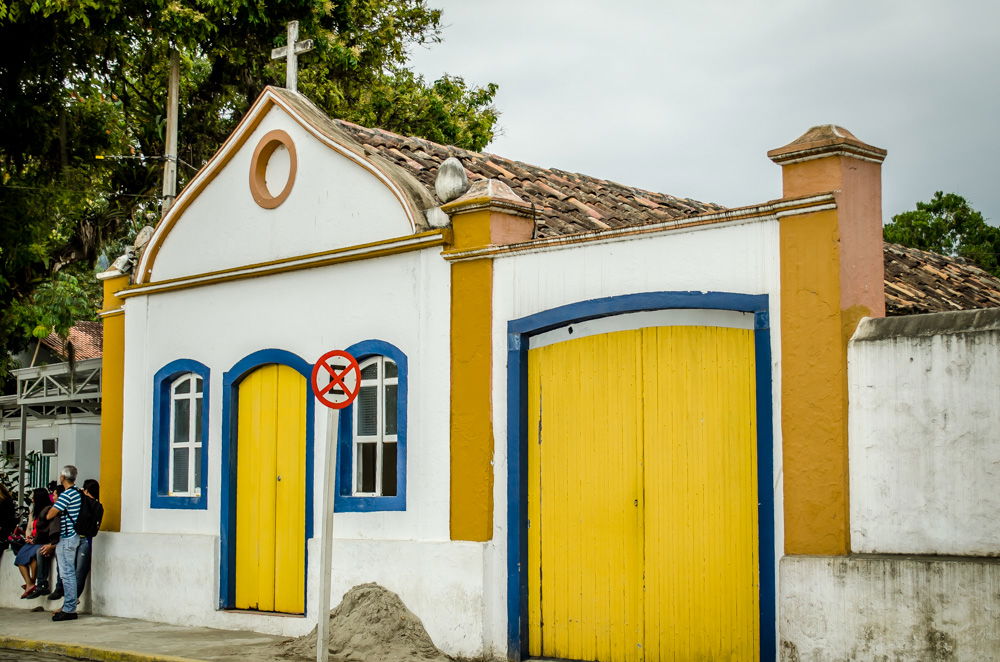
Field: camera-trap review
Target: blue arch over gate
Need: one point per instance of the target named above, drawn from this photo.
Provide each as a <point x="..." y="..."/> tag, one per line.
<point x="518" y="333"/>
<point x="230" y="413"/>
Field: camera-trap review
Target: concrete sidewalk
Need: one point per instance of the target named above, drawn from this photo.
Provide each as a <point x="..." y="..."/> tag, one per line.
<point x="129" y="640"/>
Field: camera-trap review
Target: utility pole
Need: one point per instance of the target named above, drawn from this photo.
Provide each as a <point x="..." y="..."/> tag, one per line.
<point x="170" y="157"/>
<point x="22" y="449"/>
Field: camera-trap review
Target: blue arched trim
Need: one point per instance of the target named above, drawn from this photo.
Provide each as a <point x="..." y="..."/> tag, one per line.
<point x="159" y="492"/>
<point x="518" y="333"/>
<point x="343" y="501"/>
<point x="230" y="405"/>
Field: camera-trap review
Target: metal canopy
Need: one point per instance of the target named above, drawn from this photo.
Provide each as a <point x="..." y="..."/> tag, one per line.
<point x="52" y="391"/>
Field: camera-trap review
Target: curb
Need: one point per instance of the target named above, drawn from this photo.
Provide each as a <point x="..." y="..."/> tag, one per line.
<point x="86" y="652"/>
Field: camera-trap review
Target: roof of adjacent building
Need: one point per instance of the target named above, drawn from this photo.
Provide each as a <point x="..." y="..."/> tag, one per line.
<point x="923" y="282"/>
<point x="86" y="339"/>
<point x="567" y="203"/>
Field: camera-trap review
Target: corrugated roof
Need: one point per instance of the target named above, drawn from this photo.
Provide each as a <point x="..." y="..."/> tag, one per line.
<point x="86" y="337"/>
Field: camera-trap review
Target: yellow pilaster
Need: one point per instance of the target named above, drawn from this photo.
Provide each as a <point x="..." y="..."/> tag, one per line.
<point x="489" y="214"/>
<point x="831" y="276"/>
<point x="112" y="395"/>
<point x="471" y="401"/>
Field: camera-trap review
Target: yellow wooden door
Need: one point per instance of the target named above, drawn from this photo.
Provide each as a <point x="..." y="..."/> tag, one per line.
<point x="699" y="452"/>
<point x="271" y="491"/>
<point x="642" y="537"/>
<point x="585" y="499"/>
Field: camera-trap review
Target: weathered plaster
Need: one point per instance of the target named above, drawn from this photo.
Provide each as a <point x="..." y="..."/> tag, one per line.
<point x="840" y="609"/>
<point x="925" y="453"/>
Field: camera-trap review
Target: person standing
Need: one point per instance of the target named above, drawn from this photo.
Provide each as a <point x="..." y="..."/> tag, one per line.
<point x="92" y="489"/>
<point x="68" y="504"/>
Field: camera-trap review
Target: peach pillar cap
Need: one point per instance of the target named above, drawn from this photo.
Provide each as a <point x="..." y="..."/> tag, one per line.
<point x="826" y="140"/>
<point x="489" y="194"/>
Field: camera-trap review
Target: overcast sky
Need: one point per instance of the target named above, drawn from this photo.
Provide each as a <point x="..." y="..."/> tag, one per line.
<point x="687" y="97"/>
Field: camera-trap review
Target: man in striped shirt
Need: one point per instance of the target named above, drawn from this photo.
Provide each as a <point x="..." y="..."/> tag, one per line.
<point x="68" y="503"/>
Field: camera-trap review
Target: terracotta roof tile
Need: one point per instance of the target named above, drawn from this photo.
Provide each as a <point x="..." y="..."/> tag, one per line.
<point x="566" y="202"/>
<point x="923" y="282"/>
<point x="599" y="204"/>
<point x="86" y="337"/>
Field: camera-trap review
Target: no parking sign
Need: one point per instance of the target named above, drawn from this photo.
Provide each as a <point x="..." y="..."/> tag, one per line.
<point x="343" y="379"/>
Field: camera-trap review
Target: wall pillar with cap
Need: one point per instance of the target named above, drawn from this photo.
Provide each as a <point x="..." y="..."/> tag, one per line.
<point x="112" y="316"/>
<point x="831" y="276"/>
<point x="488" y="214"/>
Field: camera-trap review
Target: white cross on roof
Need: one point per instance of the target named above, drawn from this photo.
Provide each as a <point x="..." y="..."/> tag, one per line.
<point x="291" y="52"/>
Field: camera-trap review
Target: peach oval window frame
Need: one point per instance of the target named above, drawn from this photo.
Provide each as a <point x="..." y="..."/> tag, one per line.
<point x="271" y="141"/>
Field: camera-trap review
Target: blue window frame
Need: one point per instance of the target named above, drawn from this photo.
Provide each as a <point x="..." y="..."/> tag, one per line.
<point x="180" y="436"/>
<point x="371" y="435"/>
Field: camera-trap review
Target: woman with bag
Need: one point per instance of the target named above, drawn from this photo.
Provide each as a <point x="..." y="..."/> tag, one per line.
<point x="25" y="559"/>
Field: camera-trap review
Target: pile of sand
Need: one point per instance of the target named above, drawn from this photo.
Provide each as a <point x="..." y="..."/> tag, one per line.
<point x="371" y="624"/>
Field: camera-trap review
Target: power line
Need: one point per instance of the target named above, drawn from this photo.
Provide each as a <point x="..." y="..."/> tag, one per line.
<point x="70" y="190"/>
<point x="120" y="157"/>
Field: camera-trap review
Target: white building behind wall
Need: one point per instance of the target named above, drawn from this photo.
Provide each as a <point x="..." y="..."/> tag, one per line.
<point x="62" y="419"/>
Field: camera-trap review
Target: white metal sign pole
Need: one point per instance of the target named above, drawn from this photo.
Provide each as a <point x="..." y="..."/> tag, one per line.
<point x="326" y="542"/>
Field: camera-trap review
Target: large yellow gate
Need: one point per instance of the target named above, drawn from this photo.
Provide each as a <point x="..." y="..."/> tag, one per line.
<point x="271" y="491"/>
<point x="642" y="496"/>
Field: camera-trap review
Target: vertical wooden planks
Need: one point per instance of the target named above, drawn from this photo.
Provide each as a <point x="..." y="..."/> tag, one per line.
<point x="289" y="582"/>
<point x="642" y="496"/>
<point x="247" y="523"/>
<point x="536" y="402"/>
<point x="701" y="527"/>
<point x="270" y="512"/>
<point x="585" y="499"/>
<point x="265" y="485"/>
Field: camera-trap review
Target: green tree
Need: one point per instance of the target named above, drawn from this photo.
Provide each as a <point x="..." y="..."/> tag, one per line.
<point x="80" y="80"/>
<point x="948" y="225"/>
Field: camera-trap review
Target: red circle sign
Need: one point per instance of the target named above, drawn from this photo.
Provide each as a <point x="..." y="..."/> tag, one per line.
<point x="344" y="377"/>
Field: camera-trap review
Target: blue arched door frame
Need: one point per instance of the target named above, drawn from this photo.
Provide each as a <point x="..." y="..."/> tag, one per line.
<point x="230" y="416"/>
<point x="519" y="331"/>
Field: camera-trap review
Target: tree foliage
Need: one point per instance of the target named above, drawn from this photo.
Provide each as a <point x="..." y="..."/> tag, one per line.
<point x="84" y="79"/>
<point x="948" y="225"/>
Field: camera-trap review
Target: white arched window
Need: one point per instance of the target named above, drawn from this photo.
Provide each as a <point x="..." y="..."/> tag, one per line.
<point x="376" y="429"/>
<point x="186" y="402"/>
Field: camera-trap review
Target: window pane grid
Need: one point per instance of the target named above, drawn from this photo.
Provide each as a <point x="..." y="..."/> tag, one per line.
<point x="374" y="420"/>
<point x="186" y="408"/>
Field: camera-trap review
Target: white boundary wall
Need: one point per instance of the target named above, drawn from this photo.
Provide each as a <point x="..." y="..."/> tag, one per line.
<point x="925" y="434"/>
<point x="861" y="608"/>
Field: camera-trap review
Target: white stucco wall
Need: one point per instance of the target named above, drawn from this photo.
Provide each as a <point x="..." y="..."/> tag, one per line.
<point x="924" y="440"/>
<point x="835" y="609"/>
<point x="10" y="589"/>
<point x="334" y="203"/>
<point x="401" y="299"/>
<point x="307" y="313"/>
<point x="737" y="258"/>
<point x="458" y="589"/>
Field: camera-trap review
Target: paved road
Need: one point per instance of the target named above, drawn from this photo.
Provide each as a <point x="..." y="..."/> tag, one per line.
<point x="124" y="635"/>
<point x="25" y="656"/>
